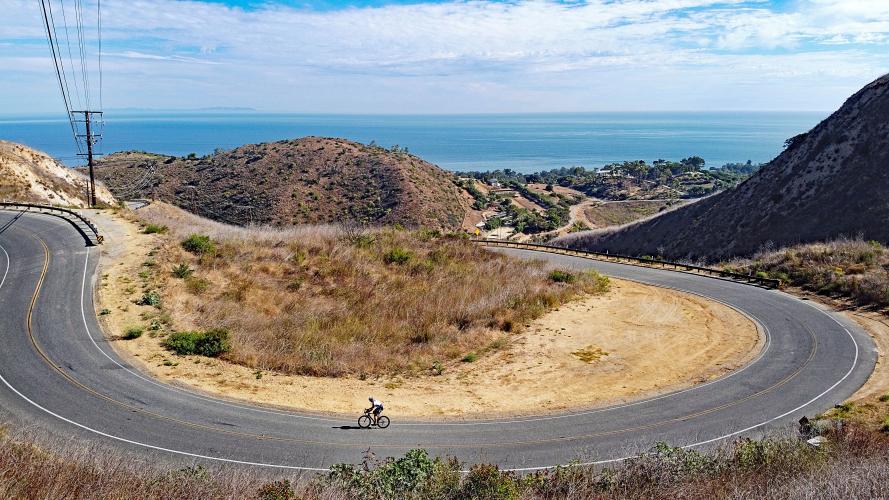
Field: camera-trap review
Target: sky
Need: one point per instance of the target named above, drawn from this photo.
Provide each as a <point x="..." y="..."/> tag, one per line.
<point x="468" y="56"/>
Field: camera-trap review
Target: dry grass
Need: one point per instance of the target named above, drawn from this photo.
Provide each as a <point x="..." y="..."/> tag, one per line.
<point x="32" y="468"/>
<point x="327" y="301"/>
<point x="849" y="268"/>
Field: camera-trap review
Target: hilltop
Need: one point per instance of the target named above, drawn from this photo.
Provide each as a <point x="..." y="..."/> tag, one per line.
<point x="28" y="175"/>
<point x="303" y="181"/>
<point x="828" y="182"/>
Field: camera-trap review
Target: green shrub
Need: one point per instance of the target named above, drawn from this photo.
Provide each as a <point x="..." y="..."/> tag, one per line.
<point x="150" y="298"/>
<point x="397" y="255"/>
<point x="884" y="398"/>
<point x="199" y="244"/>
<point x="562" y="276"/>
<point x="486" y="481"/>
<point x="405" y="477"/>
<point x="182" y="271"/>
<point x="209" y="343"/>
<point x="154" y="229"/>
<point x="133" y="332"/>
<point x="470" y="358"/>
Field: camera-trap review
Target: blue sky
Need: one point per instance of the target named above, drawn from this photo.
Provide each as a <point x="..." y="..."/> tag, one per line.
<point x="468" y="56"/>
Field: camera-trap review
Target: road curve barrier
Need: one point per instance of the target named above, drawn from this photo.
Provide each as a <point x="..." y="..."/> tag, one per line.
<point x="85" y="226"/>
<point x="638" y="261"/>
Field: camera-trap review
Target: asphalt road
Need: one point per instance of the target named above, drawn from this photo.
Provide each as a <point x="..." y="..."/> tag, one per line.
<point x="58" y="374"/>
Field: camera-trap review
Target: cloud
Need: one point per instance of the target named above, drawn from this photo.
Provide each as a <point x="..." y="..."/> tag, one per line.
<point x="431" y="55"/>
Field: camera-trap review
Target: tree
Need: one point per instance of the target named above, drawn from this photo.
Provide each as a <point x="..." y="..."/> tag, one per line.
<point x="693" y="163"/>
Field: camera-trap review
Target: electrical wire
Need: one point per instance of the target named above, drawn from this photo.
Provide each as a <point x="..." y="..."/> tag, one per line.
<point x="57" y="65"/>
<point x="70" y="56"/>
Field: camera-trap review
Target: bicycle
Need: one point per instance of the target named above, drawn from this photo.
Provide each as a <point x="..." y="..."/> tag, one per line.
<point x="366" y="421"/>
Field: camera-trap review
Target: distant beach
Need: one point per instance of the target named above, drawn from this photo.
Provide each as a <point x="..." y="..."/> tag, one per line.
<point x="522" y="142"/>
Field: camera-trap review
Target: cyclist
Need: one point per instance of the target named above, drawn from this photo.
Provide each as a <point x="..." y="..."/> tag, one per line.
<point x="376" y="407"/>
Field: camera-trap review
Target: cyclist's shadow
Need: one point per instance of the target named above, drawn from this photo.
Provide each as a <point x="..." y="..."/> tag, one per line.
<point x="348" y="427"/>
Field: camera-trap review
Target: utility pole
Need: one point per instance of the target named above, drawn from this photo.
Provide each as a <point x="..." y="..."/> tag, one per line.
<point x="90" y="139"/>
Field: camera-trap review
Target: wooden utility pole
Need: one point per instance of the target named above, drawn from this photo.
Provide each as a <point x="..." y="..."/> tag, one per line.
<point x="90" y="139"/>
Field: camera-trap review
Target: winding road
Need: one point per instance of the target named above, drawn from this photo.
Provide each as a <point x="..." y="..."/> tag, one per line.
<point x="59" y="374"/>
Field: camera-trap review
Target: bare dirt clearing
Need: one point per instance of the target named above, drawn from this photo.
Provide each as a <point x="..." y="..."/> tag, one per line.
<point x="634" y="341"/>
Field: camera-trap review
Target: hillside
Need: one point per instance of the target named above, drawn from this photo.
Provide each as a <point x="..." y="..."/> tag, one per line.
<point x="304" y="181"/>
<point x="27" y="175"/>
<point x="828" y="182"/>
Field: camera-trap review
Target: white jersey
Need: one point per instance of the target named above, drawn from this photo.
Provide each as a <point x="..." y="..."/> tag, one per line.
<point x="376" y="403"/>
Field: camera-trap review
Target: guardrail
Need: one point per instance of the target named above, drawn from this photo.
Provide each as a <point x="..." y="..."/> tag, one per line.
<point x="626" y="259"/>
<point x="60" y="212"/>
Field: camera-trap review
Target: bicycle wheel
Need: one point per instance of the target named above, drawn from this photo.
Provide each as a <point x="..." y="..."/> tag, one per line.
<point x="383" y="422"/>
<point x="364" y="421"/>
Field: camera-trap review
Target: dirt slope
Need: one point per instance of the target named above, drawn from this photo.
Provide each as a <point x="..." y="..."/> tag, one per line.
<point x="29" y="175"/>
<point x="309" y="180"/>
<point x="831" y="181"/>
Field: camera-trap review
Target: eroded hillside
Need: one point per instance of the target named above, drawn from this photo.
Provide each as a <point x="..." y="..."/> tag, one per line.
<point x="28" y="175"/>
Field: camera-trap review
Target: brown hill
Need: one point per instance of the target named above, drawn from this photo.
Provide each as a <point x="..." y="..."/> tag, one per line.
<point x="28" y="175"/>
<point x="829" y="182"/>
<point x="309" y="180"/>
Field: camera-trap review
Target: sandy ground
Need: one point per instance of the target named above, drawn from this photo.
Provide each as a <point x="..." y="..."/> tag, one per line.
<point x="634" y="341"/>
<point x="522" y="202"/>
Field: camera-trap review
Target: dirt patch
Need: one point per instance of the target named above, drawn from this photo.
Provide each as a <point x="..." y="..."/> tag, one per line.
<point x="635" y="341"/>
<point x="617" y="213"/>
<point x="877" y="326"/>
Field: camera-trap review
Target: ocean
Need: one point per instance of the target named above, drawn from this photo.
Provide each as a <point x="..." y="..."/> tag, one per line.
<point x="521" y="142"/>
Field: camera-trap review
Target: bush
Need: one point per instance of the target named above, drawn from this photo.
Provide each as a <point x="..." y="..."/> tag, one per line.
<point x="210" y="343"/>
<point x="486" y="481"/>
<point x="470" y="358"/>
<point x="150" y="298"/>
<point x="562" y="277"/>
<point x="133" y="332"/>
<point x="154" y="229"/>
<point x="398" y="256"/>
<point x="199" y="244"/>
<point x="182" y="271"/>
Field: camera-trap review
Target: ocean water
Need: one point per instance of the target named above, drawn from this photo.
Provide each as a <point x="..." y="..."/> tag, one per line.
<point x="522" y="142"/>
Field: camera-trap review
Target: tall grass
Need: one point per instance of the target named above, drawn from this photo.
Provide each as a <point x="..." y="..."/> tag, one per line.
<point x="329" y="301"/>
<point x="853" y="463"/>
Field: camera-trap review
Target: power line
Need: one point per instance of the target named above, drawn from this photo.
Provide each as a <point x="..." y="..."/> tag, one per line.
<point x="99" y="37"/>
<point x="57" y="65"/>
<point x="84" y="64"/>
<point x="70" y="57"/>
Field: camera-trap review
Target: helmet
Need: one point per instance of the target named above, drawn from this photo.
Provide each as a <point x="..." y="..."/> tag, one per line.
<point x="371" y="399"/>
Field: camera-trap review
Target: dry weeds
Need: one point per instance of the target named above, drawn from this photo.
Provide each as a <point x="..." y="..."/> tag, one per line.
<point x="331" y="301"/>
<point x="848" y="268"/>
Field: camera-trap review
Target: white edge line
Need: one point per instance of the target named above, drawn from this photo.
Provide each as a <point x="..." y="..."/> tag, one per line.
<point x="5" y="273"/>
<point x="720" y="438"/>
